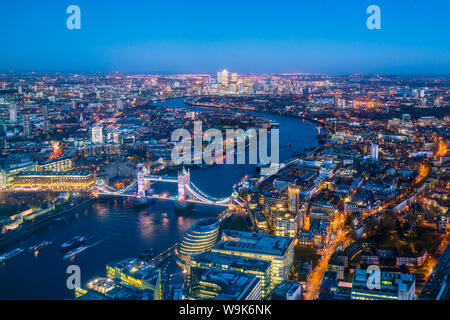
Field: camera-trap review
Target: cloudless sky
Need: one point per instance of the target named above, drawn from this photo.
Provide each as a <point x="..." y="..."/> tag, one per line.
<point x="319" y="36"/>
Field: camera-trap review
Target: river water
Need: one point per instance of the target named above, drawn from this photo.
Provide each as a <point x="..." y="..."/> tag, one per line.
<point x="123" y="231"/>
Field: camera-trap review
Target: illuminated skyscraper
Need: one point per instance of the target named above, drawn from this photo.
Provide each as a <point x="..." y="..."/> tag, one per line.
<point x="26" y="126"/>
<point x="222" y="78"/>
<point x="97" y="134"/>
<point x="234" y="77"/>
<point x="12" y="113"/>
<point x="294" y="198"/>
<point x="374" y="151"/>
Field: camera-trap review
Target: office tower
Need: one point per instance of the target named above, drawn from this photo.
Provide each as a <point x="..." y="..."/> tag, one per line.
<point x="117" y="137"/>
<point x="26" y="126"/>
<point x="260" y="268"/>
<point x="286" y="224"/>
<point x="234" y="77"/>
<point x="294" y="197"/>
<point x="278" y="250"/>
<point x="200" y="237"/>
<point x="339" y="103"/>
<point x="136" y="273"/>
<point x="97" y="134"/>
<point x="219" y="284"/>
<point x="44" y="111"/>
<point x="20" y="90"/>
<point x="374" y="151"/>
<point x="222" y="78"/>
<point x="46" y="125"/>
<point x="287" y="290"/>
<point x="388" y="286"/>
<point x="12" y="113"/>
<point x="52" y="99"/>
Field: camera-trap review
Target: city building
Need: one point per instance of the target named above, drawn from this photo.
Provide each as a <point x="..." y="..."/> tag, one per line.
<point x="374" y="151"/>
<point x="60" y="164"/>
<point x="53" y="180"/>
<point x="222" y="78"/>
<point x="97" y="135"/>
<point x="286" y="224"/>
<point x="260" y="268"/>
<point x="287" y="290"/>
<point x="278" y="250"/>
<point x="136" y="273"/>
<point x="12" y="113"/>
<point x="223" y="285"/>
<point x="26" y="125"/>
<point x="392" y="286"/>
<point x="200" y="237"/>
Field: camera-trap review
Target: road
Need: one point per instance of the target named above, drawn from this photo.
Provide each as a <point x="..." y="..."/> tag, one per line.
<point x="341" y="238"/>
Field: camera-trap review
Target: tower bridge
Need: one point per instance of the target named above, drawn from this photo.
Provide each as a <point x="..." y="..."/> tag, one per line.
<point x="187" y="190"/>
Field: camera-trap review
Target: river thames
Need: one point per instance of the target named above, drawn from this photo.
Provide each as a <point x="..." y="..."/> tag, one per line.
<point x="123" y="231"/>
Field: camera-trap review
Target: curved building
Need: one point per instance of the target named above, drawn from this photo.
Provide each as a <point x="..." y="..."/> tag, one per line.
<point x="200" y="237"/>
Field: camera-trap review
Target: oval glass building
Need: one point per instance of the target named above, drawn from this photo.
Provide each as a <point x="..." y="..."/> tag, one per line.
<point x="200" y="237"/>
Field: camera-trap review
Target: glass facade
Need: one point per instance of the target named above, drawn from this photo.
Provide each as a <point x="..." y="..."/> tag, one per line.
<point x="200" y="237"/>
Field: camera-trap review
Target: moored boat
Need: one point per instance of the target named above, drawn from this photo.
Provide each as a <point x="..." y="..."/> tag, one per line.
<point x="10" y="254"/>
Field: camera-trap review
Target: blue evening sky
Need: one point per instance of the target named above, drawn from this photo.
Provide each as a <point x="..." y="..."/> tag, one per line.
<point x="319" y="36"/>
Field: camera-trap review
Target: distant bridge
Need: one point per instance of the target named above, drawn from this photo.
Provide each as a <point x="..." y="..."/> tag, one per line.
<point x="187" y="190"/>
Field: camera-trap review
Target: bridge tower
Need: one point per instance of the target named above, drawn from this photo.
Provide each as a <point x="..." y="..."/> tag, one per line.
<point x="184" y="180"/>
<point x="140" y="181"/>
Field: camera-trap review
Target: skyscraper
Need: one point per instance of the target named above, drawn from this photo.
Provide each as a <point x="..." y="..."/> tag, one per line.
<point x="222" y="78"/>
<point x="234" y="77"/>
<point x="97" y="134"/>
<point x="12" y="113"/>
<point x="294" y="198"/>
<point x="46" y="125"/>
<point x="374" y="151"/>
<point x="44" y="110"/>
<point x="26" y="125"/>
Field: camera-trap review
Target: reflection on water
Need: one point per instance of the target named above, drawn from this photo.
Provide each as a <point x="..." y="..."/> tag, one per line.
<point x="127" y="232"/>
<point x="146" y="225"/>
